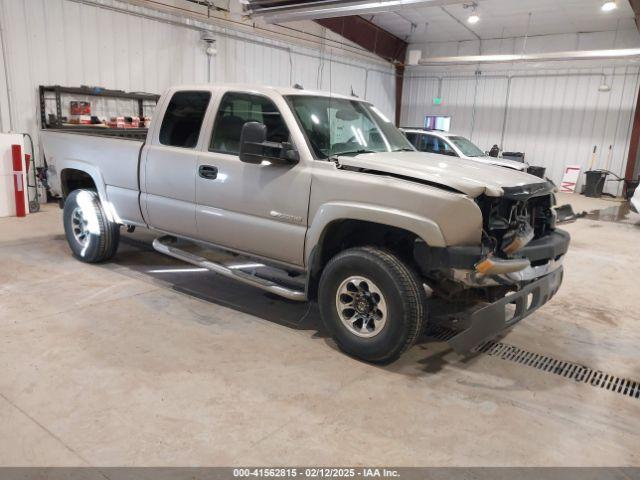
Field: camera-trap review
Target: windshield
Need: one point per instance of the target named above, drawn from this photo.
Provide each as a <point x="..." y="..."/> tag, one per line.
<point x="468" y="148"/>
<point x="336" y="126"/>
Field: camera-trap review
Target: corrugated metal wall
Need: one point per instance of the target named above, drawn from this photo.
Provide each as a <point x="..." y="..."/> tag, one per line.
<point x="555" y="116"/>
<point x="80" y="42"/>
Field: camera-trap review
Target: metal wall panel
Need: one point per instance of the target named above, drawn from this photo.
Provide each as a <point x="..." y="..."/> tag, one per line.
<point x="489" y="110"/>
<point x="381" y="91"/>
<point x="417" y="97"/>
<point x="558" y="119"/>
<point x="555" y="116"/>
<point x="5" y="125"/>
<point x="114" y="45"/>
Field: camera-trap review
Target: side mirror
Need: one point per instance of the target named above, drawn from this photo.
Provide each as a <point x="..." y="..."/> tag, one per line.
<point x="254" y="147"/>
<point x="252" y="137"/>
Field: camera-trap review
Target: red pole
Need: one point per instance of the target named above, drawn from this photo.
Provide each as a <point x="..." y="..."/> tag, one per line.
<point x="18" y="180"/>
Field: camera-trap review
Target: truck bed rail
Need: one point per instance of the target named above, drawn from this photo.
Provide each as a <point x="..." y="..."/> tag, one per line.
<point x="125" y="133"/>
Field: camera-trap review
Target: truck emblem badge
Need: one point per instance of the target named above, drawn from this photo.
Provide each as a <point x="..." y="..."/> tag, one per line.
<point x="285" y="217"/>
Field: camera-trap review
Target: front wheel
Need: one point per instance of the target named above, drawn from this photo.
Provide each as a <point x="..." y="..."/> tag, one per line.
<point x="372" y="303"/>
<point x="90" y="234"/>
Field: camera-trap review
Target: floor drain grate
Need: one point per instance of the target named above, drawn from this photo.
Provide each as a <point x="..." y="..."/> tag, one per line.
<point x="569" y="370"/>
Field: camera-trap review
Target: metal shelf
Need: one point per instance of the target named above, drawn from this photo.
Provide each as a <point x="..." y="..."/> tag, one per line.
<point x="87" y="91"/>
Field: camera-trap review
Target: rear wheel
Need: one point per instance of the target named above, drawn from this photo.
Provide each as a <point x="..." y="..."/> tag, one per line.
<point x="372" y="303"/>
<point x="90" y="234"/>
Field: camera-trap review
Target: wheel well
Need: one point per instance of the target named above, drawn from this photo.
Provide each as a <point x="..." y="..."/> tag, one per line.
<point x="342" y="234"/>
<point x="72" y="179"/>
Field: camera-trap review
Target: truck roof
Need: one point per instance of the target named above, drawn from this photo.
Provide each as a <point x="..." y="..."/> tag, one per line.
<point x="264" y="90"/>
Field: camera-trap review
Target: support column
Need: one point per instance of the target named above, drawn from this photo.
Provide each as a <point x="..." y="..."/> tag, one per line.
<point x="634" y="143"/>
<point x="399" y="86"/>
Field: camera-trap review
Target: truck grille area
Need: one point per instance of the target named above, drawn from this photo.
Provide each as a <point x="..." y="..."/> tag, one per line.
<point x="502" y="217"/>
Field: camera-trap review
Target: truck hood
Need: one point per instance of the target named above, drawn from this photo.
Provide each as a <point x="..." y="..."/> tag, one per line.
<point x="501" y="162"/>
<point x="466" y="176"/>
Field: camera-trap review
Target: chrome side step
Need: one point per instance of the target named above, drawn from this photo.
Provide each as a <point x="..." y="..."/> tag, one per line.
<point x="161" y="245"/>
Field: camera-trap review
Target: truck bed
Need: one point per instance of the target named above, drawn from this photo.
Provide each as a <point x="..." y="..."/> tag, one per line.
<point x="111" y="160"/>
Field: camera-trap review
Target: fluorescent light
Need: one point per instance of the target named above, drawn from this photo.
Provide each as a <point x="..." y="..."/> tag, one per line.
<point x="608" y="6"/>
<point x="630" y="53"/>
<point x="473" y="18"/>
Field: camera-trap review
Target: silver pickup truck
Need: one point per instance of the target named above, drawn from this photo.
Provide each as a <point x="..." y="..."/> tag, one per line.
<point x="329" y="202"/>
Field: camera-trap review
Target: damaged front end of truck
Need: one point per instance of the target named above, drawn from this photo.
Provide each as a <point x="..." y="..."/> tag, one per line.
<point x="484" y="289"/>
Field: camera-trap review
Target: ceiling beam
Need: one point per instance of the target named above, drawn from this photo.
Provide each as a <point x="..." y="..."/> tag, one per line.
<point x="282" y="12"/>
<point x="369" y="36"/>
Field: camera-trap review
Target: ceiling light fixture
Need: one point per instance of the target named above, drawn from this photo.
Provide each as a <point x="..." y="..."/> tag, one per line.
<point x="609" y="6"/>
<point x="474" y="17"/>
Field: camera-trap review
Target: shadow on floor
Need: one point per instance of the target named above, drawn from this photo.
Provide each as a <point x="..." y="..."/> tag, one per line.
<point x="430" y="355"/>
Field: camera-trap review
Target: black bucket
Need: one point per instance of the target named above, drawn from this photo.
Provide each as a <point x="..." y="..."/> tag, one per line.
<point x="595" y="183"/>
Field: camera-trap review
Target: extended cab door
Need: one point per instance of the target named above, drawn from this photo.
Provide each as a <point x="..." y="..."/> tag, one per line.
<point x="169" y="164"/>
<point x="260" y="209"/>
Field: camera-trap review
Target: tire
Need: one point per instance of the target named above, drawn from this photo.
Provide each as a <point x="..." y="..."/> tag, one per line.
<point x="91" y="236"/>
<point x="388" y="325"/>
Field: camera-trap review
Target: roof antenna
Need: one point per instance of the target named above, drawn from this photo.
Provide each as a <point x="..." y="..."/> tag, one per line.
<point x="298" y="86"/>
<point x="353" y="94"/>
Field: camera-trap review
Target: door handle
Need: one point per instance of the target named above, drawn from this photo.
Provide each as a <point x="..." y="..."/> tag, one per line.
<point x="208" y="171"/>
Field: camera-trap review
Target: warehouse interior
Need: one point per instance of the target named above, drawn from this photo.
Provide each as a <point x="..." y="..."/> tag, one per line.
<point x="145" y="361"/>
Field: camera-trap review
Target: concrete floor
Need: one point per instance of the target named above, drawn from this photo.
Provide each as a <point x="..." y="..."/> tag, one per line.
<point x="136" y="363"/>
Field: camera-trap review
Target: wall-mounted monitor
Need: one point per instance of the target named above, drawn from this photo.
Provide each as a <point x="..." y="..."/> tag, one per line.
<point x="437" y="122"/>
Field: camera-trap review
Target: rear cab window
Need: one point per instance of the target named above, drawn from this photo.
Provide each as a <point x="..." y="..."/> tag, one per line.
<point x="433" y="144"/>
<point x="412" y="137"/>
<point x="183" y="119"/>
<point x="235" y="110"/>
